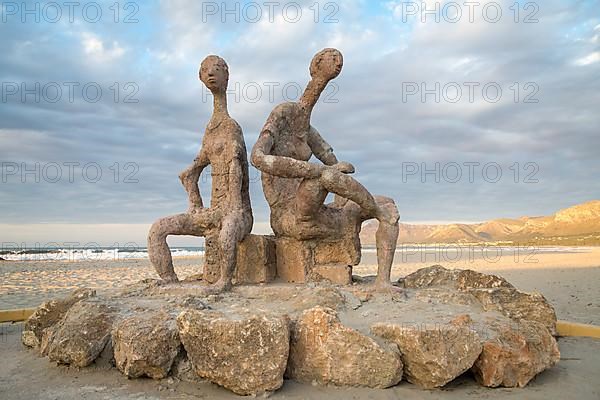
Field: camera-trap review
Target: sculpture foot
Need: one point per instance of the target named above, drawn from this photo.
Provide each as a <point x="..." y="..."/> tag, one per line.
<point x="170" y="278"/>
<point x="218" y="287"/>
<point x="381" y="286"/>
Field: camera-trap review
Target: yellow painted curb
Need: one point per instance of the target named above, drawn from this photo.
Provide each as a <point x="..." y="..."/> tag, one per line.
<point x="566" y="328"/>
<point x="16" y="315"/>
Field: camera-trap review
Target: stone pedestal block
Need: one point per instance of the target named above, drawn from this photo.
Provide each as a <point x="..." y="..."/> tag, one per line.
<point x="294" y="260"/>
<point x="261" y="259"/>
<point x="255" y="260"/>
<point x="340" y="274"/>
<point x="301" y="261"/>
<point x="343" y="251"/>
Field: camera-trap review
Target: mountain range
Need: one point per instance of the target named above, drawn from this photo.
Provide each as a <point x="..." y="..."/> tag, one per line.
<point x="577" y="225"/>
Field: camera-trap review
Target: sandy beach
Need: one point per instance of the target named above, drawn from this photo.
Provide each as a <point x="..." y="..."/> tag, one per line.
<point x="568" y="277"/>
<point x="24" y="375"/>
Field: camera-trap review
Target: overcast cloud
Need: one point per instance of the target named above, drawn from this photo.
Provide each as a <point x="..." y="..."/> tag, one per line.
<point x="542" y="132"/>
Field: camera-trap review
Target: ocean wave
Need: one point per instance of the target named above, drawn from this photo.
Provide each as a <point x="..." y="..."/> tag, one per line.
<point x="91" y="254"/>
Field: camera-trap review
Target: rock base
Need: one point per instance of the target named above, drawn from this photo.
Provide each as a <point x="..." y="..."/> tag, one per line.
<point x="256" y="262"/>
<point x="435" y="325"/>
<point x="300" y="261"/>
<point x="264" y="259"/>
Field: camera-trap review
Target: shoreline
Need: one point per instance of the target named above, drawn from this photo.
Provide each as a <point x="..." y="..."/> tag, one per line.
<point x="440" y="247"/>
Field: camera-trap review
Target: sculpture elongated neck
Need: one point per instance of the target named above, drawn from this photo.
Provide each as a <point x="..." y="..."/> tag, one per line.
<point x="220" y="105"/>
<point x="312" y="93"/>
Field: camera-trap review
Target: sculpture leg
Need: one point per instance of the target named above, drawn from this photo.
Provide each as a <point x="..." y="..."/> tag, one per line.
<point x="385" y="238"/>
<point x="229" y="237"/>
<point x="348" y="187"/>
<point x="189" y="179"/>
<point x="309" y="198"/>
<point x="181" y="224"/>
<point x="234" y="228"/>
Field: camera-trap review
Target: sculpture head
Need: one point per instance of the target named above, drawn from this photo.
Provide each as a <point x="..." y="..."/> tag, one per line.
<point x="326" y="64"/>
<point x="214" y="73"/>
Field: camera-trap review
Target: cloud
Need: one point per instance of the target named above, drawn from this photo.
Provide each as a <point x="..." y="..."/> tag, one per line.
<point x="370" y="125"/>
<point x="589" y="59"/>
<point x="94" y="47"/>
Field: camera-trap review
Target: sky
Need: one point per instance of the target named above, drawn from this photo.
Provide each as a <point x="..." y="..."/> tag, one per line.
<point x="460" y="113"/>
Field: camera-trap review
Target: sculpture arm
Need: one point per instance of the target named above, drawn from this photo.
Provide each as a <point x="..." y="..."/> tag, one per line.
<point x="190" y="177"/>
<point x="320" y="148"/>
<point x="235" y="184"/>
<point x="324" y="152"/>
<point x="285" y="167"/>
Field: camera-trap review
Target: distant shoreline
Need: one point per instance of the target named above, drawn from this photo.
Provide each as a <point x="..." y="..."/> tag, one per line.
<point x="188" y="253"/>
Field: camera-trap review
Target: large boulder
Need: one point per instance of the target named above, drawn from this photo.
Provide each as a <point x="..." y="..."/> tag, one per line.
<point x="325" y="351"/>
<point x="494" y="293"/>
<point x="146" y="345"/>
<point x="48" y="314"/>
<point x="246" y="355"/>
<point x="516" y="355"/>
<point x="520" y="307"/>
<point x="432" y="355"/>
<point x="79" y="338"/>
<point x="461" y="279"/>
<point x="183" y="370"/>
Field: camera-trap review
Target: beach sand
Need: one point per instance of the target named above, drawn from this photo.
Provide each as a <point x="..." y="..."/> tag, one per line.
<point x="569" y="278"/>
<point x="25" y="375"/>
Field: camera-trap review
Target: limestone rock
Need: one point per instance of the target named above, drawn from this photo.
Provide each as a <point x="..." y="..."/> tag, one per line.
<point x="339" y="274"/>
<point x="516" y="355"/>
<point x="294" y="260"/>
<point x="48" y="314"/>
<point x="183" y="370"/>
<point x="518" y="306"/>
<point x="324" y="350"/>
<point x="432" y="355"/>
<point x="79" y="338"/>
<point x="437" y="275"/>
<point x="315" y="260"/>
<point x="294" y="299"/>
<point x="256" y="260"/>
<point x="247" y="355"/>
<point x="493" y="292"/>
<point x="341" y="251"/>
<point x="469" y="279"/>
<point x="146" y="345"/>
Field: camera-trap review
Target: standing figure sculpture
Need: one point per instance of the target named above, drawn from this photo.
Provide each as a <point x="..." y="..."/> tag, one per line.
<point x="296" y="189"/>
<point x="229" y="216"/>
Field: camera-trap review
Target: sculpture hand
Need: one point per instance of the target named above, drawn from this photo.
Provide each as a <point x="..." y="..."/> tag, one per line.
<point x="190" y="183"/>
<point x="344" y="167"/>
<point x="184" y="176"/>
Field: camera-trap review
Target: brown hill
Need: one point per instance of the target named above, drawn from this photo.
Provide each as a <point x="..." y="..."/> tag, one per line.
<point x="579" y="224"/>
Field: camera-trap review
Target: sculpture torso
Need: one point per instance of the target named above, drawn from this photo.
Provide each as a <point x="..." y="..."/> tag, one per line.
<point x="289" y="126"/>
<point x="223" y="144"/>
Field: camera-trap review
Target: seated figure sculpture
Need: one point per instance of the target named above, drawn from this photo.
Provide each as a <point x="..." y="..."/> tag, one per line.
<point x="296" y="189"/>
<point x="229" y="217"/>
